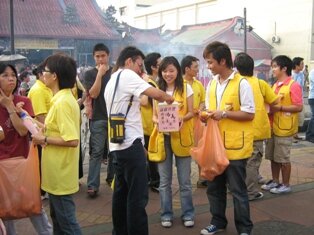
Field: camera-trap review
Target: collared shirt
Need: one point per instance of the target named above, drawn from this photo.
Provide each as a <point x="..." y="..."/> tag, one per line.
<point x="295" y="91"/>
<point x="246" y="94"/>
<point x="40" y="95"/>
<point x="198" y="91"/>
<point x="60" y="163"/>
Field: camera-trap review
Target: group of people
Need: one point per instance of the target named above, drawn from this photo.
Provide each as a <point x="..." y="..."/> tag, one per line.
<point x="56" y="113"/>
<point x="247" y="109"/>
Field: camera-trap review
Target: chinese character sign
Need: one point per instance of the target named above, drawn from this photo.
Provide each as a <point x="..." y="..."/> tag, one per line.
<point x="168" y="117"/>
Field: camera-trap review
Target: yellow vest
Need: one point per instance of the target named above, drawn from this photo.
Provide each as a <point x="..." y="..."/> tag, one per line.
<point x="285" y="123"/>
<point x="237" y="136"/>
<point x="182" y="140"/>
<point x="261" y="125"/>
<point x="147" y="115"/>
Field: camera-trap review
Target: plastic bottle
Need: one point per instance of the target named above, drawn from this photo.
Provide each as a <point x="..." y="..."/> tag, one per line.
<point x="29" y="123"/>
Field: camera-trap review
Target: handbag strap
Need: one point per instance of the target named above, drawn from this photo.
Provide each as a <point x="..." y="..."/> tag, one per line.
<point x="114" y="93"/>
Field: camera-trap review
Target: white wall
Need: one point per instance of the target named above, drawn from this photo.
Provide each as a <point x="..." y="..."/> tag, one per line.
<point x="293" y="19"/>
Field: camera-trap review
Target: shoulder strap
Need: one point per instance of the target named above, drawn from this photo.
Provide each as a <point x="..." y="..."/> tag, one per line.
<point x="114" y="92"/>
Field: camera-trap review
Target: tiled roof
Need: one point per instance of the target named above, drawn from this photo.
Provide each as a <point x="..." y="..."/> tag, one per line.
<point x="45" y="19"/>
<point x="144" y="36"/>
<point x="227" y="31"/>
<point x="200" y="33"/>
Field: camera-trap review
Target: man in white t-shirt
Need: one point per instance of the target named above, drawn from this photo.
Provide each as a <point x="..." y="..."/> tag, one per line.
<point x="130" y="195"/>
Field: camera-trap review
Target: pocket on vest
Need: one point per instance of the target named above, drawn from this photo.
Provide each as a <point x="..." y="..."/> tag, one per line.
<point x="233" y="140"/>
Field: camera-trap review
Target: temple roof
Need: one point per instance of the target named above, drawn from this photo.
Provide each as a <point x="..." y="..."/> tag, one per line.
<point x="48" y="19"/>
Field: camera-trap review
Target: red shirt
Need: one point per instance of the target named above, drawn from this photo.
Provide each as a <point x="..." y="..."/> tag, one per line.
<point x="13" y="144"/>
<point x="295" y="91"/>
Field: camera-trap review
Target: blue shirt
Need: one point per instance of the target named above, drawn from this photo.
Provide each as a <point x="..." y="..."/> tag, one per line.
<point x="298" y="77"/>
<point x="311" y="78"/>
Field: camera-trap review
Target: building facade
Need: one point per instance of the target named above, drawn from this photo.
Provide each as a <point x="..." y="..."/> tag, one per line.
<point x="285" y="24"/>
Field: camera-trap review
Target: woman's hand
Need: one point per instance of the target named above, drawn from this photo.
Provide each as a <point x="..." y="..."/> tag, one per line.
<point x="5" y="101"/>
<point x="39" y="138"/>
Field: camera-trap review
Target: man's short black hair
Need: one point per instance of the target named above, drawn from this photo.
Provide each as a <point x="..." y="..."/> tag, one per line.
<point x="128" y="52"/>
<point x="187" y="62"/>
<point x="244" y="64"/>
<point x="151" y="60"/>
<point x="101" y="47"/>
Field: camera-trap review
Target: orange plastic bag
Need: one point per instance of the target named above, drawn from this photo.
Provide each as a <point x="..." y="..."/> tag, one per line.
<point x="198" y="130"/>
<point x="210" y="153"/>
<point x="20" y="186"/>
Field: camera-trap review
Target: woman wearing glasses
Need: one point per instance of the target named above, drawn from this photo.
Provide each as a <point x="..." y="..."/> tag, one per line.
<point x="61" y="137"/>
<point x="15" y="140"/>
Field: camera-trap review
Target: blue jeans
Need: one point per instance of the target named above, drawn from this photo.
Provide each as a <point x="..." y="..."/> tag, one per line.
<point x="309" y="135"/>
<point x="97" y="143"/>
<point x="62" y="212"/>
<point x="130" y="194"/>
<point x="234" y="176"/>
<point x="40" y="223"/>
<point x="183" y="165"/>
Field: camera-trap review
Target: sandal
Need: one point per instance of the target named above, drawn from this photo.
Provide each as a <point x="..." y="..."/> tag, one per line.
<point x="92" y="192"/>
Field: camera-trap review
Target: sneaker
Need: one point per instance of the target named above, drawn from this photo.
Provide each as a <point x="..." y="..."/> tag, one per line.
<point x="201" y="184"/>
<point x="244" y="234"/>
<point x="154" y="189"/>
<point x="166" y="223"/>
<point x="281" y="188"/>
<point x="188" y="223"/>
<point x="257" y="196"/>
<point x="269" y="185"/>
<point x="211" y="229"/>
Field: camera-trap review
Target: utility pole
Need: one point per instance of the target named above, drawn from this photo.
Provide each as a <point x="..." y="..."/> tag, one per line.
<point x="12" y="27"/>
<point x="245" y="30"/>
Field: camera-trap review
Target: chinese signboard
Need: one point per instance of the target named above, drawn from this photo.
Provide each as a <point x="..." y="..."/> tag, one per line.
<point x="168" y="117"/>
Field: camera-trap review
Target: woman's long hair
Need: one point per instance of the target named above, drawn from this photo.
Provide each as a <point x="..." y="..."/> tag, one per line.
<point x="178" y="83"/>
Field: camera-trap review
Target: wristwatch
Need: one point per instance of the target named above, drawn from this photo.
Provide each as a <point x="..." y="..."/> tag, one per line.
<point x="223" y="114"/>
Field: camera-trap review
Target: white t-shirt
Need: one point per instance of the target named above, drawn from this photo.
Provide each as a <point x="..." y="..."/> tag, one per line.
<point x="246" y="94"/>
<point x="189" y="91"/>
<point x="129" y="84"/>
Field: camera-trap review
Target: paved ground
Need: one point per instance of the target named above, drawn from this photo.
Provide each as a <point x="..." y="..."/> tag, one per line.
<point x="273" y="215"/>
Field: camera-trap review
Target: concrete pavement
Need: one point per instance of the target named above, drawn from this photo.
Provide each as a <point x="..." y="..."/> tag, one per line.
<point x="274" y="214"/>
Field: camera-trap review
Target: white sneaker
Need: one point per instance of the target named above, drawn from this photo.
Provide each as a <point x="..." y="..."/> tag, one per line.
<point x="166" y="223"/>
<point x="269" y="185"/>
<point x="188" y="223"/>
<point x="281" y="189"/>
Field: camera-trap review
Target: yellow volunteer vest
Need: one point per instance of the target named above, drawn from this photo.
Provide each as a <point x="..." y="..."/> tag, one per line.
<point x="237" y="136"/>
<point x="285" y="123"/>
<point x="183" y="140"/>
<point x="147" y="115"/>
<point x="261" y="125"/>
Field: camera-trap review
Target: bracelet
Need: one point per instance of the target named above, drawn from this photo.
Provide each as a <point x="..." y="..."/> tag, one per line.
<point x="46" y="141"/>
<point x="281" y="108"/>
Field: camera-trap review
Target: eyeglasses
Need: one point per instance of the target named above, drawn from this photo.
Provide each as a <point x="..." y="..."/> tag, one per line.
<point x="46" y="71"/>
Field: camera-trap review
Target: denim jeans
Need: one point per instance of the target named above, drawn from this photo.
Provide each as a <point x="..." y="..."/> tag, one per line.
<point x="40" y="223"/>
<point x="98" y="141"/>
<point x="234" y="176"/>
<point x="309" y="135"/>
<point x="183" y="165"/>
<point x="62" y="212"/>
<point x="130" y="194"/>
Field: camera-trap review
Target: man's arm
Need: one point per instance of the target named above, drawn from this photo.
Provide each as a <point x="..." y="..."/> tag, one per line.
<point x="158" y="95"/>
<point x="95" y="89"/>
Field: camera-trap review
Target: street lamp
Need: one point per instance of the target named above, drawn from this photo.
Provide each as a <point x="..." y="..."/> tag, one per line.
<point x="12" y="27"/>
<point x="246" y="29"/>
